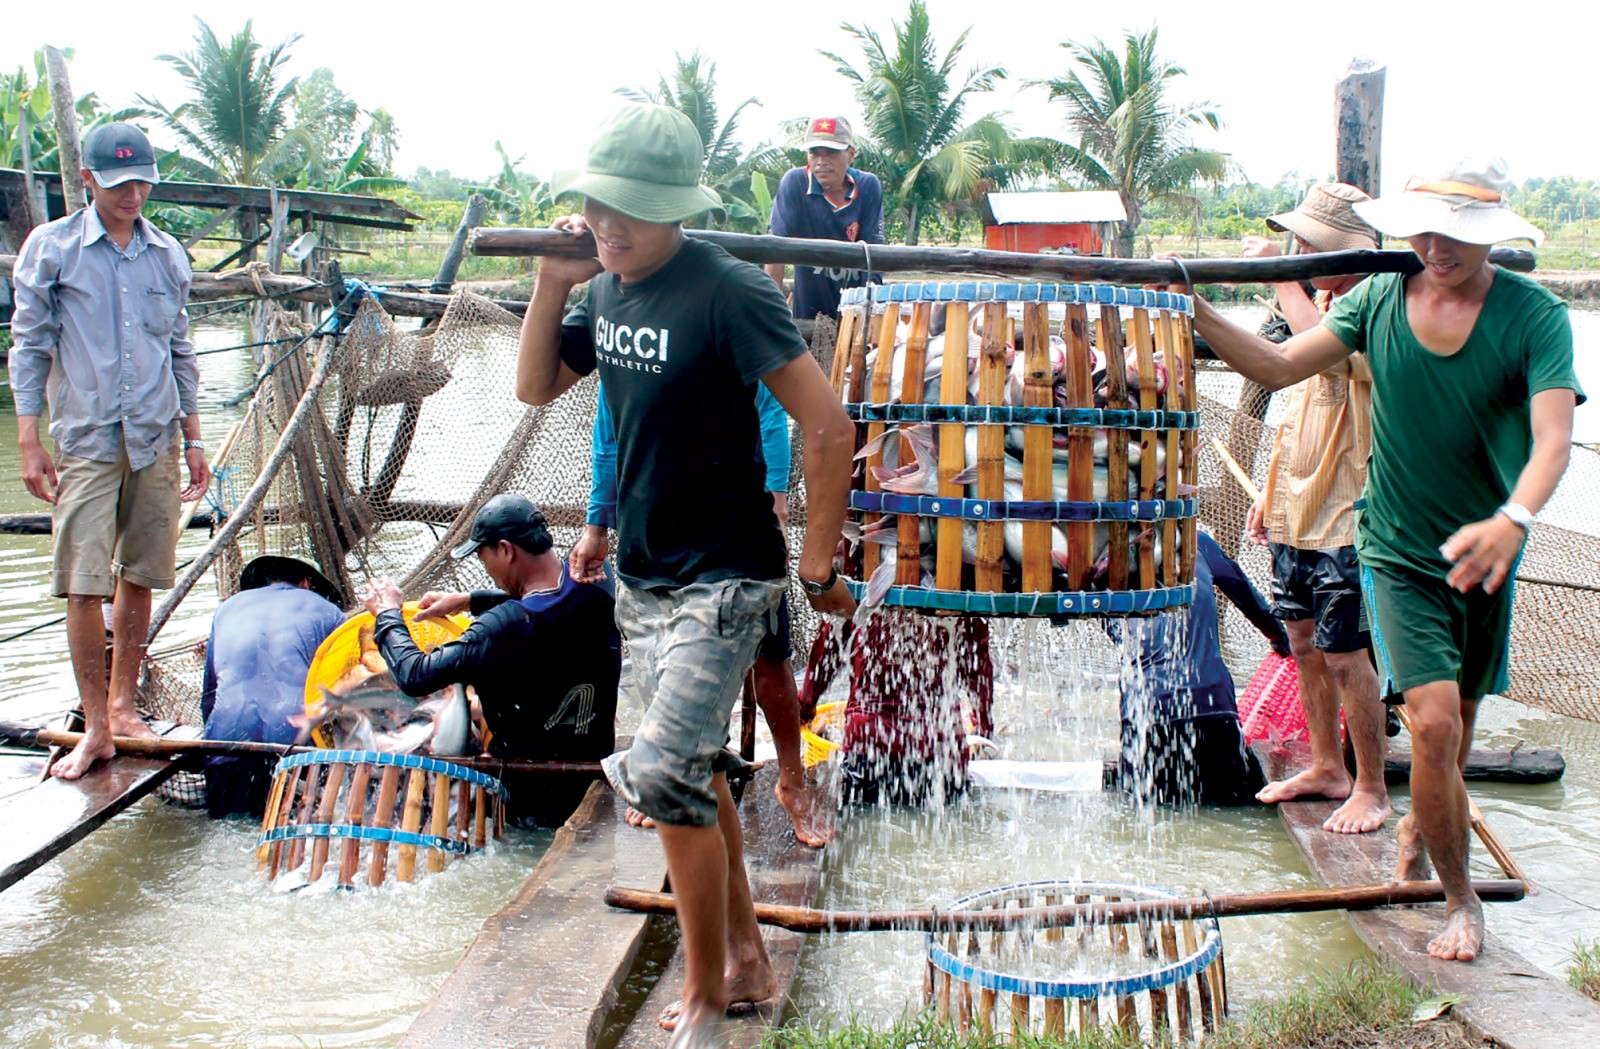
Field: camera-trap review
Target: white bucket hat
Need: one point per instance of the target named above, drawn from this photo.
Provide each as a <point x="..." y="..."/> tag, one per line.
<point x="1465" y="204"/>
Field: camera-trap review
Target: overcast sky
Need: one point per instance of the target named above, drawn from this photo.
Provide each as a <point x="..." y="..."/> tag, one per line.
<point x="1465" y="77"/>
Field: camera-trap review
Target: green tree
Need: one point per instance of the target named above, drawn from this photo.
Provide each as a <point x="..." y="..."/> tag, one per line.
<point x="25" y="103"/>
<point x="1130" y="137"/>
<point x="692" y="91"/>
<point x="916" y="141"/>
<point x="236" y="122"/>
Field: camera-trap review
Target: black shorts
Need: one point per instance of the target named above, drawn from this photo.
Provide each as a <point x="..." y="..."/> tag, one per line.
<point x="1324" y="585"/>
<point x="776" y="647"/>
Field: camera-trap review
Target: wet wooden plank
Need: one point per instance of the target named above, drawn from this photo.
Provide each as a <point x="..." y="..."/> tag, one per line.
<point x="1505" y="998"/>
<point x="546" y="969"/>
<point x="44" y="820"/>
<point x="781" y="871"/>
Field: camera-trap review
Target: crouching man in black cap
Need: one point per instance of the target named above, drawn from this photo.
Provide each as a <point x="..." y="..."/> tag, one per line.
<point x="543" y="654"/>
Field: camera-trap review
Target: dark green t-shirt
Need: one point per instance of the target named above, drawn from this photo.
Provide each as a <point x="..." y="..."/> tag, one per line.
<point x="680" y="353"/>
<point x="1450" y="435"/>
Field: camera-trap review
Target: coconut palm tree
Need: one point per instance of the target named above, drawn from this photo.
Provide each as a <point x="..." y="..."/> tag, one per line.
<point x="692" y="91"/>
<point x="1130" y="137"/>
<point x="235" y="126"/>
<point x="915" y="140"/>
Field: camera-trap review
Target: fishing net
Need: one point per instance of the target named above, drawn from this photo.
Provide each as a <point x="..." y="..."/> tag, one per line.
<point x="415" y="429"/>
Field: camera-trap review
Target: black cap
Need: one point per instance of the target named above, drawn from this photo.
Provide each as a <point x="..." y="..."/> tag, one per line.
<point x="510" y="517"/>
<point x="270" y="568"/>
<point x="119" y="153"/>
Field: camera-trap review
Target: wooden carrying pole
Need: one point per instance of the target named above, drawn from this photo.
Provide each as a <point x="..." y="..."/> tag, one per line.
<point x="1230" y="905"/>
<point x="891" y="258"/>
<point x="1480" y="824"/>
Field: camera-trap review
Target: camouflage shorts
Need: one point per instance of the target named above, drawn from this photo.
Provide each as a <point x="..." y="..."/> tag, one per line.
<point x="690" y="649"/>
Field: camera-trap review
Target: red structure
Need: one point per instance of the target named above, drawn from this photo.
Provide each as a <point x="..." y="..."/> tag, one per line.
<point x="1075" y="223"/>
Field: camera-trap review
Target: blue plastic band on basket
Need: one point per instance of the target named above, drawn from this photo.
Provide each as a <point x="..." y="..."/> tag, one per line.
<point x="1176" y="972"/>
<point x="1058" y="603"/>
<point x="1022" y="415"/>
<point x="215" y="496"/>
<point x="1024" y="509"/>
<point x="1003" y="291"/>
<point x="382" y="757"/>
<point x="353" y="830"/>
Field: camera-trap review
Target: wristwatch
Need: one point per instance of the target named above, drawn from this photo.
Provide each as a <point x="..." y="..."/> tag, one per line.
<point x="818" y="589"/>
<point x="196" y="443"/>
<point x="1520" y="515"/>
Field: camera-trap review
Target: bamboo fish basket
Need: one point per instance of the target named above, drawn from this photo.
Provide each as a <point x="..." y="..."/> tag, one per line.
<point x="1034" y="444"/>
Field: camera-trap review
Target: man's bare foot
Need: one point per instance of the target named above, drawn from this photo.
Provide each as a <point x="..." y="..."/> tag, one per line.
<point x="1462" y="938"/>
<point x="1311" y="783"/>
<point x="1412" y="862"/>
<point x="634" y="818"/>
<point x="91" y="748"/>
<point x="128" y="723"/>
<point x="754" y="983"/>
<point x="704" y="1033"/>
<point x="1363" y="813"/>
<point x="806" y="810"/>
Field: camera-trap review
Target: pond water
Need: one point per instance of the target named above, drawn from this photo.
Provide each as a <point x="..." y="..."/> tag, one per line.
<point x="156" y="931"/>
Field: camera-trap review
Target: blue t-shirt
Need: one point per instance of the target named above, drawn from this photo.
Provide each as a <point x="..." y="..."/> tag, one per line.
<point x="799" y="209"/>
<point x="1181" y="667"/>
<point x="603" y="454"/>
<point x="261" y="646"/>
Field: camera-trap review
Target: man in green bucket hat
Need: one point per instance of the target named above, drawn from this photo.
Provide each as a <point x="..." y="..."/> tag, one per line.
<point x="681" y="332"/>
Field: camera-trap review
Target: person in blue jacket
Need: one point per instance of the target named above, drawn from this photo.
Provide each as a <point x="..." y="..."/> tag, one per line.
<point x="262" y="641"/>
<point x="1181" y="739"/>
<point x="775" y="688"/>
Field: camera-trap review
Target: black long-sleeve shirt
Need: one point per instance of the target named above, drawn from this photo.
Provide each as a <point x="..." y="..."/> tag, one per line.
<point x="545" y="668"/>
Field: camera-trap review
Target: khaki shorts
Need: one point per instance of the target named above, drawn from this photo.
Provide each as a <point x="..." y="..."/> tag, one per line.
<point x="113" y="523"/>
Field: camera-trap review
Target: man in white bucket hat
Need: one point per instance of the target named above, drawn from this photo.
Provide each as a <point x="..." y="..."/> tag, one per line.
<point x="1473" y="397"/>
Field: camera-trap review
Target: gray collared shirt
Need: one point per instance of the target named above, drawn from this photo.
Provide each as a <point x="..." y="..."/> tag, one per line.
<point x="103" y="333"/>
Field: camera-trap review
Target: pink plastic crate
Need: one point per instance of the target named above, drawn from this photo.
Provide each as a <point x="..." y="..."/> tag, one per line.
<point x="1270" y="707"/>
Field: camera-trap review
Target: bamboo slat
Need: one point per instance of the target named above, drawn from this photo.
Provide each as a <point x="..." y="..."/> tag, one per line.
<point x="882" y="372"/>
<point x="388" y="790"/>
<point x="1109" y="335"/>
<point x="1202" y="982"/>
<point x="479" y="805"/>
<point x="848" y="319"/>
<point x="952" y="444"/>
<point x="1038" y="451"/>
<point x="1180" y="990"/>
<point x="463" y="813"/>
<point x="990" y="574"/>
<point x="439" y="820"/>
<point x="405" y="868"/>
<point x="283" y="818"/>
<point x="1166" y="343"/>
<point x="908" y="563"/>
<point x="1191" y="459"/>
<point x="308" y="799"/>
<point x="325" y="807"/>
<point x="354" y="814"/>
<point x="1160" y="1023"/>
<point x="1144" y="351"/>
<point x="1080" y="444"/>
<point x="274" y="796"/>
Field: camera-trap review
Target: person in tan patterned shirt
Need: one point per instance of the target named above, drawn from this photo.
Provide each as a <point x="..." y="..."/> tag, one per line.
<point x="1306" y="516"/>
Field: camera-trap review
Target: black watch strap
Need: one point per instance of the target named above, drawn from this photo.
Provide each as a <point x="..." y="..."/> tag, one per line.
<point x="818" y="589"/>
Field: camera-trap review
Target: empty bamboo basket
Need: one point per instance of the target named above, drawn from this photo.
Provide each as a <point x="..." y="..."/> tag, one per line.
<point x="1025" y="449"/>
<point x="1162" y="980"/>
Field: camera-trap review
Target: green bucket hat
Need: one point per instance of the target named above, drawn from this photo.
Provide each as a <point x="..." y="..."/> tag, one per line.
<point x="645" y="162"/>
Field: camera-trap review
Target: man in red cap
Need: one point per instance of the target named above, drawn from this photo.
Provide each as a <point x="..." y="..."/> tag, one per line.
<point x="828" y="199"/>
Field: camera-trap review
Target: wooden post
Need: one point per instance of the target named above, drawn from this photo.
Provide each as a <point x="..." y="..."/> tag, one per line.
<point x="908" y="562"/>
<point x="1358" y="125"/>
<point x="992" y="447"/>
<point x="38" y="202"/>
<point x="278" y="231"/>
<point x="471" y="219"/>
<point x="1038" y="449"/>
<point x="383" y="816"/>
<point x="952" y="444"/>
<point x="70" y="160"/>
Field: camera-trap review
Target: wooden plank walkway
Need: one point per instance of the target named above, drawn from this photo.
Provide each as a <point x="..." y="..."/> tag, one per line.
<point x="44" y="820"/>
<point x="546" y="969"/>
<point x="1506" y="998"/>
<point x="781" y="871"/>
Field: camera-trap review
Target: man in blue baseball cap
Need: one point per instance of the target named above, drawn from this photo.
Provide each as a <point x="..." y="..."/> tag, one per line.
<point x="101" y="333"/>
